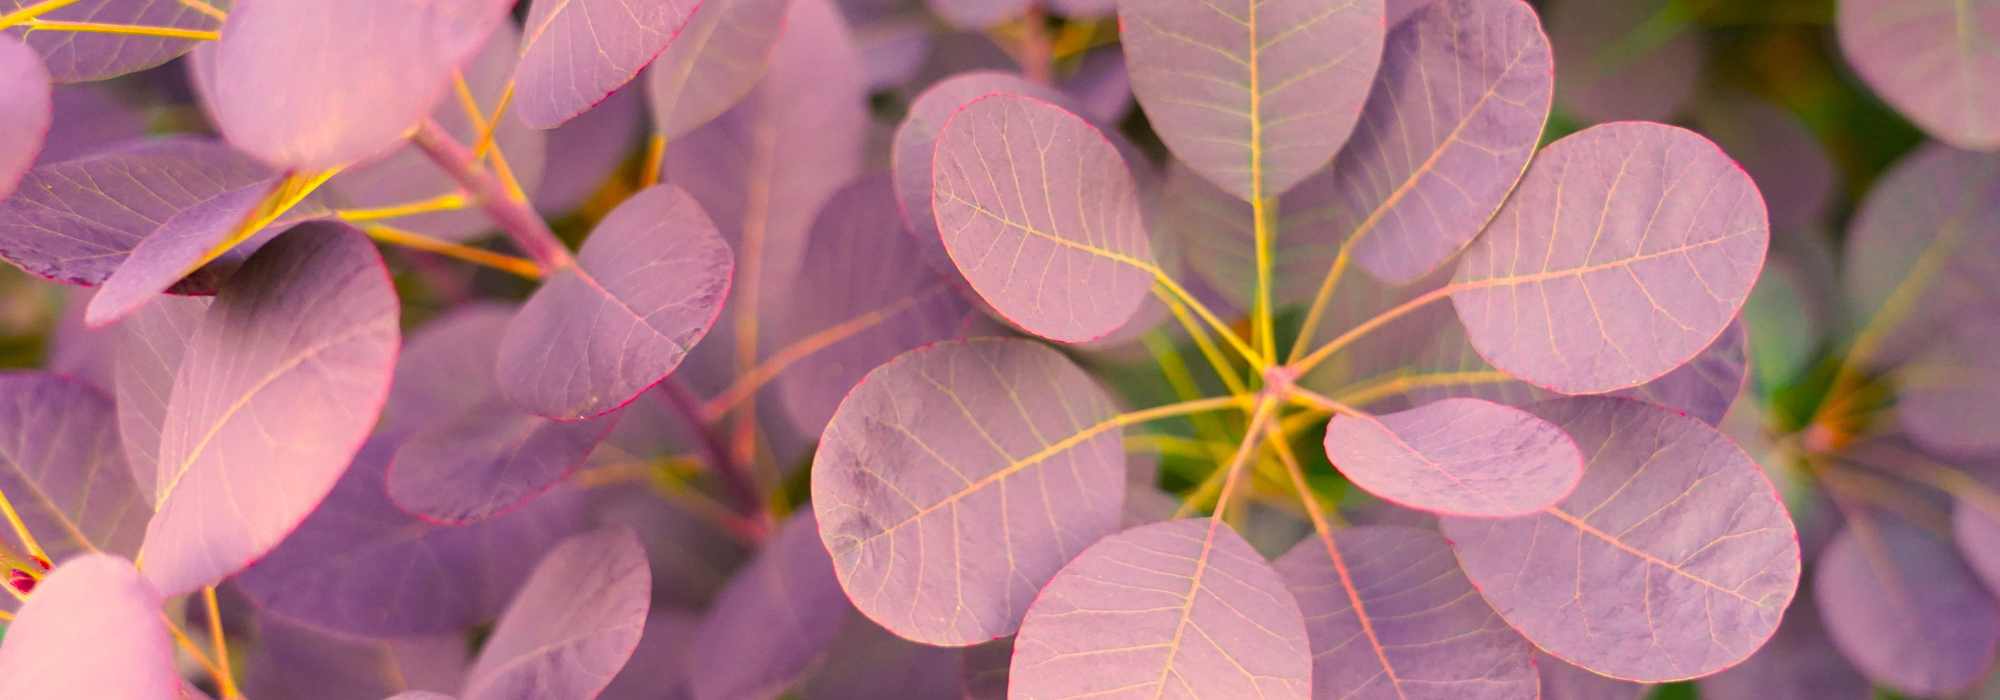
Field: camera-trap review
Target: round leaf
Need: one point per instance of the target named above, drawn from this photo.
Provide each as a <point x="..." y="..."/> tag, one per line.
<point x="1946" y="395"/>
<point x="914" y="150"/>
<point x="27" y="106"/>
<point x="1800" y="663"/>
<point x="177" y="249"/>
<point x="1902" y="605"/>
<point x="1932" y="60"/>
<point x="1457" y="457"/>
<point x="1921" y="251"/>
<point x="578" y="51"/>
<point x="92" y="629"/>
<point x="716" y="61"/>
<point x="774" y="620"/>
<point x="573" y="625"/>
<point x="488" y="461"/>
<point x="957" y="478"/>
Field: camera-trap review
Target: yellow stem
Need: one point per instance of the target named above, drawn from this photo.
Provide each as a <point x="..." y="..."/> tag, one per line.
<point x="6" y="616"/>
<point x="1364" y="328"/>
<point x="203" y="7"/>
<point x="1283" y="446"/>
<point x="1216" y="360"/>
<point x="1252" y="437"/>
<point x="1171" y="410"/>
<point x="45" y="25"/>
<point x="1182" y="381"/>
<point x="1200" y="309"/>
<point x="748" y="383"/>
<point x="1307" y="397"/>
<point x="1261" y="210"/>
<point x="193" y="650"/>
<point x="32" y="11"/>
<point x="1315" y="313"/>
<point x="656" y="156"/>
<point x="493" y="122"/>
<point x="225" y="680"/>
<point x="1401" y="383"/>
<point x="477" y="117"/>
<point x="522" y="267"/>
<point x="27" y="538"/>
<point x="445" y="202"/>
<point x="1173" y="445"/>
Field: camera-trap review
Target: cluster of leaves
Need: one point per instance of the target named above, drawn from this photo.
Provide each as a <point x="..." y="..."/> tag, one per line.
<point x="830" y="399"/>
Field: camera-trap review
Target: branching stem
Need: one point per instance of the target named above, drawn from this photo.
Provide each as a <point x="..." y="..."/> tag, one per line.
<point x="44" y="25"/>
<point x="512" y="215"/>
<point x="734" y="475"/>
<point x="225" y="680"/>
<point x="391" y="235"/>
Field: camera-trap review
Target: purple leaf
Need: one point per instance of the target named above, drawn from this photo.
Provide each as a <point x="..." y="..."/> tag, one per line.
<point x="60" y="463"/>
<point x="1071" y="264"/>
<point x="1921" y="250"/>
<point x="661" y="666"/>
<point x="1214" y="230"/>
<point x="867" y="662"/>
<point x="573" y="625"/>
<point x="587" y="152"/>
<point x="936" y="465"/>
<point x="774" y="621"/>
<point x="306" y="330"/>
<point x="92" y="629"/>
<point x="1673" y="559"/>
<point x="446" y="368"/>
<point x="1902" y="605"/>
<point x="1101" y="87"/>
<point x="1561" y="681"/>
<point x="1791" y="168"/>
<point x="866" y="283"/>
<point x="179" y="248"/>
<point x="1706" y="386"/>
<point x="420" y="695"/>
<point x="1399" y="11"/>
<point x="1928" y="59"/>
<point x="26" y="106"/>
<point x="75" y="57"/>
<point x="1456" y="110"/>
<point x="1254" y="95"/>
<point x="149" y="347"/>
<point x="1619" y="60"/>
<point x="1083" y="8"/>
<point x="1419" y="629"/>
<point x="577" y="52"/>
<point x="75" y="222"/>
<point x="977" y="15"/>
<point x="1184" y="606"/>
<point x="1946" y="395"/>
<point x="715" y="62"/>
<point x="914" y="151"/>
<point x="693" y="557"/>
<point x="76" y="350"/>
<point x="360" y="566"/>
<point x="646" y="287"/>
<point x="1800" y="663"/>
<point x="1977" y="533"/>
<point x="295" y="661"/>
<point x="88" y="118"/>
<point x="1651" y="240"/>
<point x="983" y="670"/>
<point x="1457" y="457"/>
<point x="488" y="461"/>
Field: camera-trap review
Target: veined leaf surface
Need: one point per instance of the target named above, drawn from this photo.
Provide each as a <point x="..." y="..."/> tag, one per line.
<point x="1905" y="608"/>
<point x="774" y="620"/>
<point x="1933" y="60"/>
<point x="573" y="625"/>
<point x="149" y="349"/>
<point x="718" y="58"/>
<point x="74" y="57"/>
<point x="1457" y="457"/>
<point x="62" y="470"/>
<point x="576" y="52"/>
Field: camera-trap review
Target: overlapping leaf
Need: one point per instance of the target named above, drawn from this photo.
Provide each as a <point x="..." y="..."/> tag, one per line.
<point x="61" y="468"/>
<point x="26" y="106"/>
<point x="774" y="621"/>
<point x="716" y="61"/>
<point x="573" y="625"/>
<point x="1254" y="95"/>
<point x="1932" y="60"/>
<point x="296" y="661"/>
<point x="914" y="151"/>
<point x="1457" y="457"/>
<point x="1040" y="214"/>
<point x="75" y="57"/>
<point x="1921" y="251"/>
<point x="1624" y="60"/>
<point x="661" y="663"/>
<point x="88" y="119"/>
<point x="1179" y="607"/>
<point x="984" y="463"/>
<point x="585" y="153"/>
<point x="646" y="287"/>
<point x="1627" y="250"/>
<point x="1905" y="608"/>
<point x="179" y="248"/>
<point x="149" y="348"/>
<point x="1561" y="681"/>
<point x="576" y="52"/>
<point x="306" y="330"/>
<point x="1946" y="395"/>
<point x="1793" y="171"/>
<point x="487" y="461"/>
<point x="92" y="629"/>
<point x="1800" y="663"/>
<point x="1401" y="621"/>
<point x="867" y="662"/>
<point x="1672" y="559"/>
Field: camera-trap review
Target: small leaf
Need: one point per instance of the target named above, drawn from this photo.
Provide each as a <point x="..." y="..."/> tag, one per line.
<point x="1902" y="605"/>
<point x="774" y="621"/>
<point x="1930" y="59"/>
<point x="1040" y="214"/>
<point x="1673" y="559"/>
<point x="488" y="461"/>
<point x="149" y="348"/>
<point x="717" y="59"/>
<point x="61" y="467"/>
<point x="1649" y="240"/>
<point x="75" y="57"/>
<point x="181" y="246"/>
<point x="953" y="459"/>
<point x="1184" y="606"/>
<point x="646" y="287"/>
<point x="309" y="322"/>
<point x="573" y="625"/>
<point x="1419" y="629"/>
<point x="914" y="150"/>
<point x="1636" y="59"/>
<point x="1457" y="457"/>
<point x="26" y="106"/>
<point x="579" y="51"/>
<point x="1254" y="95"/>
<point x="92" y="629"/>
<point x="1800" y="663"/>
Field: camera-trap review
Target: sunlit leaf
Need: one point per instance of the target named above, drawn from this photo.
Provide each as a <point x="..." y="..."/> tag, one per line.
<point x="1922" y="249"/>
<point x="1177" y="607"/>
<point x="149" y="347"/>
<point x="92" y="629"/>
<point x="1398" y="11"/>
<point x="1905" y="608"/>
<point x="1800" y="663"/>
<point x="1627" y="250"/>
<point x="61" y="468"/>
<point x="1457" y="457"/>
<point x="177" y="249"/>
<point x="1254" y="95"/>
<point x="1673" y="559"/>
<point x="573" y="625"/>
<point x="26" y="106"/>
<point x="1419" y="629"/>
<point x="716" y="60"/>
<point x="75" y="57"/>
<point x="576" y="52"/>
<point x="774" y="621"/>
<point x="1635" y="59"/>
<point x="1792" y="170"/>
<point x="987" y="463"/>
<point x="1932" y="60"/>
<point x="646" y="287"/>
<point x="308" y="330"/>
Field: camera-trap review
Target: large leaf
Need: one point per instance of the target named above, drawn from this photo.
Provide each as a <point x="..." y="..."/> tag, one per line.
<point x="289" y="367"/>
<point x="310" y="86"/>
<point x="1457" y="457"/>
<point x="774" y="621"/>
<point x="1627" y="250"/>
<point x="1673" y="558"/>
<point x="715" y="62"/>
<point x="573" y="625"/>
<point x="1933" y="60"/>
<point x="578" y="51"/>
<point x="1183" y="607"/>
<point x="1456" y="110"/>
<point x="646" y="287"/>
<point x="1922" y="250"/>
<point x="75" y="57"/>
<point x="1040" y="214"/>
<point x="176" y="250"/>
<point x="92" y="629"/>
<point x="446" y="368"/>
<point x="488" y="461"/>
<point x="149" y="348"/>
<point x="1254" y="95"/>
<point x="61" y="468"/>
<point x="953" y="459"/>
<point x="27" y="106"/>
<point x="1905" y="608"/>
<point x="1401" y="621"/>
<point x="1634" y="59"/>
<point x="1800" y="663"/>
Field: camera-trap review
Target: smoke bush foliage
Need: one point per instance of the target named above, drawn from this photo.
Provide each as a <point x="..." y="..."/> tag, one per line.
<point x="853" y="398"/>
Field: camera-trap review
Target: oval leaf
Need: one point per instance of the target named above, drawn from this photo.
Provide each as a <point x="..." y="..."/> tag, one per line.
<point x="1398" y="619"/>
<point x="183" y="244"/>
<point x="75" y="57"/>
<point x="1921" y="251"/>
<point x="27" y="106"/>
<point x="715" y="62"/>
<point x="92" y="629"/>
<point x="573" y="625"/>
<point x="774" y="620"/>
<point x="310" y="321"/>
<point x="1673" y="558"/>
<point x="1254" y="95"/>
<point x="303" y="663"/>
<point x="488" y="461"/>
<point x="1627" y="249"/>
<point x="1933" y="60"/>
<point x="1946" y="395"/>
<point x="1457" y="457"/>
<point x="585" y="153"/>
<point x="59" y="461"/>
<point x="1561" y="681"/>
<point x="1039" y="212"/>
<point x="1902" y="605"/>
<point x="951" y="456"/>
<point x="1800" y="663"/>
<point x="150" y="345"/>
<point x="1184" y="605"/>
<point x="914" y="150"/>
<point x="578" y="51"/>
<point x="646" y="287"/>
